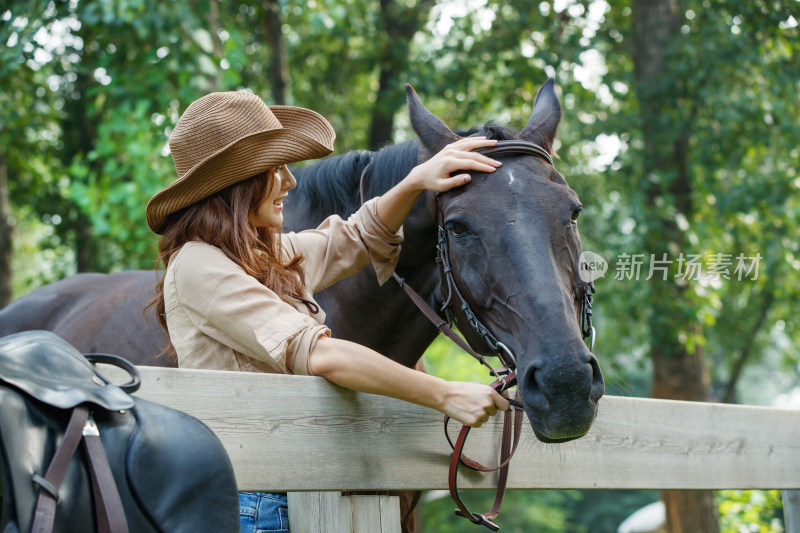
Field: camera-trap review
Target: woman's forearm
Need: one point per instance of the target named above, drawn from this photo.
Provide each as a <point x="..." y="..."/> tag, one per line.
<point x="361" y="369"/>
<point x="395" y="205"/>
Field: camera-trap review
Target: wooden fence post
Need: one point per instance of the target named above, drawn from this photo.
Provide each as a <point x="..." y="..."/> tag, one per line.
<point x="791" y="511"/>
<point x="322" y="512"/>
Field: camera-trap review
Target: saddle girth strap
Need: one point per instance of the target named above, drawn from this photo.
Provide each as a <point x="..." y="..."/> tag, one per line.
<point x="109" y="513"/>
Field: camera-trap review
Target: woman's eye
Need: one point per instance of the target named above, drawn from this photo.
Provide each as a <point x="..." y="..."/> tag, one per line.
<point x="457" y="228"/>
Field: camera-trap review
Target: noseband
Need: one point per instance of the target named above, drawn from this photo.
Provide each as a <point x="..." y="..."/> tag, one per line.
<point x="505" y="376"/>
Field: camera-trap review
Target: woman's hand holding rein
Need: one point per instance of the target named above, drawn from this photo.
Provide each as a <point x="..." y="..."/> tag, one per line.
<point x="435" y="175"/>
<point x="472" y="403"/>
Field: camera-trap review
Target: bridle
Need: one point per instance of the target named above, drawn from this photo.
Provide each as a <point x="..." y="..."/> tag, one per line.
<point x="505" y="376"/>
<point x="447" y="283"/>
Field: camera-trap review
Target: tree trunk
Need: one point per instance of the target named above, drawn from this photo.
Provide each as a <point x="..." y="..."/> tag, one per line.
<point x="6" y="236"/>
<point x="80" y="119"/>
<point x="214" y="25"/>
<point x="747" y="348"/>
<point x="85" y="248"/>
<point x="80" y="143"/>
<point x="278" y="71"/>
<point x="387" y="100"/>
<point x="399" y="26"/>
<point x="679" y="368"/>
<point x="688" y="511"/>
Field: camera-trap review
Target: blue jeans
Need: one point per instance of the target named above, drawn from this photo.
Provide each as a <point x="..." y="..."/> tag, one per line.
<point x="263" y="512"/>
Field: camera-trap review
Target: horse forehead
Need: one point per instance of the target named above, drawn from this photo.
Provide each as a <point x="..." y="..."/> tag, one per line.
<point x="532" y="188"/>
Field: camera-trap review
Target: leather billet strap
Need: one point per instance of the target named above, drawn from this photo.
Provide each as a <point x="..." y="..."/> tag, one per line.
<point x="107" y="502"/>
<point x="587" y="328"/>
<point x="109" y="513"/>
<point x="45" y="510"/>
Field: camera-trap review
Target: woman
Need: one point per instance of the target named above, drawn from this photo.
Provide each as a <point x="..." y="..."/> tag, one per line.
<point x="238" y="294"/>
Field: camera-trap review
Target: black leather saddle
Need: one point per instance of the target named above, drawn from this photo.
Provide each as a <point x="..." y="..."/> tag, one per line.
<point x="80" y="454"/>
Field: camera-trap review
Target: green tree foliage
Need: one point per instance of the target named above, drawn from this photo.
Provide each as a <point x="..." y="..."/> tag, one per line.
<point x="756" y="511"/>
<point x="742" y="163"/>
<point x="91" y="89"/>
<point x="94" y="86"/>
<point x="29" y="130"/>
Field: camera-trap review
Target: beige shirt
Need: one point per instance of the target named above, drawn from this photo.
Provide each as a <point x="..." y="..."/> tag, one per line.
<point x="221" y="318"/>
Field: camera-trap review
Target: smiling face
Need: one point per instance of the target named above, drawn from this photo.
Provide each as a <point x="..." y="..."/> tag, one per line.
<point x="269" y="213"/>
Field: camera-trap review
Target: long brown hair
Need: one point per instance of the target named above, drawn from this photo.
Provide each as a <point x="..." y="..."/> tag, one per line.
<point x="221" y="220"/>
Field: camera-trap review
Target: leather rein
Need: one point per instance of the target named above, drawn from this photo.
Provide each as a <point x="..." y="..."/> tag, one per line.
<point x="505" y="376"/>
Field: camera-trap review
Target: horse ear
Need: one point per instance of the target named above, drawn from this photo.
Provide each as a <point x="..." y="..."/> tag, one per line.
<point x="543" y="122"/>
<point x="433" y="133"/>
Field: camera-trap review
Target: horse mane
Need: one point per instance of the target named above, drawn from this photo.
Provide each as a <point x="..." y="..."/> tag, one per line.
<point x="332" y="185"/>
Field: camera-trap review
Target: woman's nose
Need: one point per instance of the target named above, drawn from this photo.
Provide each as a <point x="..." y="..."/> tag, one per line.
<point x="287" y="179"/>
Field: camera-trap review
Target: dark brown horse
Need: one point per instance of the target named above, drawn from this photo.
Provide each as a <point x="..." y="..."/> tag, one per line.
<point x="513" y="244"/>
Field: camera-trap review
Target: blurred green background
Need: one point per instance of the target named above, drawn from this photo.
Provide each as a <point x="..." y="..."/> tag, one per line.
<point x="680" y="134"/>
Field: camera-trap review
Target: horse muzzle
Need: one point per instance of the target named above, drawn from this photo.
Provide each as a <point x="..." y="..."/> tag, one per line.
<point x="560" y="393"/>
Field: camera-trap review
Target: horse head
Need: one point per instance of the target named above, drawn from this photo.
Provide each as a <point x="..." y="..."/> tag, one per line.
<point x="512" y="241"/>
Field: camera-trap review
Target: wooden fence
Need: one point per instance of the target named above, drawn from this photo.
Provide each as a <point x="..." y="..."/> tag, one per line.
<point x="314" y="440"/>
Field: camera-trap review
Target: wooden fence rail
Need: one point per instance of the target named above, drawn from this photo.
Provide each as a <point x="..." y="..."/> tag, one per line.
<point x="306" y="436"/>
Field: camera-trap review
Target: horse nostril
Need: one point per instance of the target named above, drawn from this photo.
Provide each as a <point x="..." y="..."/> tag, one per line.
<point x="531" y="388"/>
<point x="598" y="384"/>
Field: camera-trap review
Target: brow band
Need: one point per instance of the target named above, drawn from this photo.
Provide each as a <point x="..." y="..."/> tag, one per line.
<point x="517" y="147"/>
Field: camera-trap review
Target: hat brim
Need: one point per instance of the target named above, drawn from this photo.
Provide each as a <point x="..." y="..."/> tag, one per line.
<point x="302" y="137"/>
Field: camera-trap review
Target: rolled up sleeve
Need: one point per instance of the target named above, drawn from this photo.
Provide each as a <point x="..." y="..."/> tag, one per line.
<point x="338" y="248"/>
<point x="231" y="307"/>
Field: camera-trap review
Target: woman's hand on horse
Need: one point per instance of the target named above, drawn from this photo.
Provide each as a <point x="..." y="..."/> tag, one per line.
<point x="472" y="403"/>
<point x="435" y="173"/>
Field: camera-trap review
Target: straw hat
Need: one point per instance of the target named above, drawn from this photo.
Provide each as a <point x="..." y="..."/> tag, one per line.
<point x="224" y="138"/>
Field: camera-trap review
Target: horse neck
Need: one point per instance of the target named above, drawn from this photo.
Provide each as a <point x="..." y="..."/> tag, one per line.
<point x="333" y="186"/>
<point x="382" y="318"/>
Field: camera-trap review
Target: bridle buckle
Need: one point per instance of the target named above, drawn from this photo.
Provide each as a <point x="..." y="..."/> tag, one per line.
<point x="479" y="519"/>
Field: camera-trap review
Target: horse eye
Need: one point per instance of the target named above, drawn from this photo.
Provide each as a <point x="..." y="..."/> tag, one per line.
<point x="457" y="228"/>
<point x="576" y="213"/>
